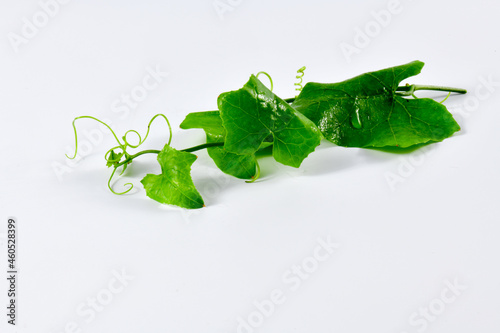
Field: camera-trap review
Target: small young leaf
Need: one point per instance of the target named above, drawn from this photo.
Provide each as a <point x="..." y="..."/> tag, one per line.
<point x="113" y="158"/>
<point x="239" y="166"/>
<point x="366" y="111"/>
<point x="253" y="112"/>
<point x="174" y="185"/>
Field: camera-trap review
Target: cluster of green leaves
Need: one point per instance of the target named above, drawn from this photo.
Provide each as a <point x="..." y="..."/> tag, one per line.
<point x="370" y="110"/>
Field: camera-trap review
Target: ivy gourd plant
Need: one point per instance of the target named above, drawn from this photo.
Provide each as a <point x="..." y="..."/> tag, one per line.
<point x="371" y="110"/>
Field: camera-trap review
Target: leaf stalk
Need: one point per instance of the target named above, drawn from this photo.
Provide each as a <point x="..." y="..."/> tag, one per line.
<point x="409" y="90"/>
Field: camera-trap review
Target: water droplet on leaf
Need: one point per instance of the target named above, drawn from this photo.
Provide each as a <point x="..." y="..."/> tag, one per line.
<point x="355" y="119"/>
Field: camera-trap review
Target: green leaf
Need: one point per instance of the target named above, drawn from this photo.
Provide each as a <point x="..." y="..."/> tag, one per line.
<point x="174" y="185"/>
<point x="253" y="112"/>
<point x="240" y="166"/>
<point x="113" y="158"/>
<point x="366" y="111"/>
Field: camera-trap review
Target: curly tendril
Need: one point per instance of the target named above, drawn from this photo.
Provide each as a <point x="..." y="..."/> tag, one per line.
<point x="131" y="186"/>
<point x="169" y="128"/>
<point x="115" y="160"/>
<point x="299" y="76"/>
<point x="444" y="100"/>
<point x="268" y="76"/>
<point x="141" y="141"/>
<point x="76" y="135"/>
<point x="127" y="144"/>
<point x="257" y="173"/>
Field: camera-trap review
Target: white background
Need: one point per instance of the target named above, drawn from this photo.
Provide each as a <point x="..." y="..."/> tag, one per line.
<point x="401" y="244"/>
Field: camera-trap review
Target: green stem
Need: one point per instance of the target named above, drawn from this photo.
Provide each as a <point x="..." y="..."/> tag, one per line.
<point x="131" y="157"/>
<point x="203" y="146"/>
<point x="153" y="151"/>
<point x="408" y="90"/>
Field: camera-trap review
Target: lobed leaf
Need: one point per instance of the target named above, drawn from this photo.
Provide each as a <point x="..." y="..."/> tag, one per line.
<point x="253" y="113"/>
<point x="174" y="185"/>
<point x="241" y="166"/>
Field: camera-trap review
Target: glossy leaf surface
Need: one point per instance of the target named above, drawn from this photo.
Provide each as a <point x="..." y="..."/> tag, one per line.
<point x="253" y="113"/>
<point x="366" y="111"/>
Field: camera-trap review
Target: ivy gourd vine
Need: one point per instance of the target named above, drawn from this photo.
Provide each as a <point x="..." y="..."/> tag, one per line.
<point x="371" y="110"/>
